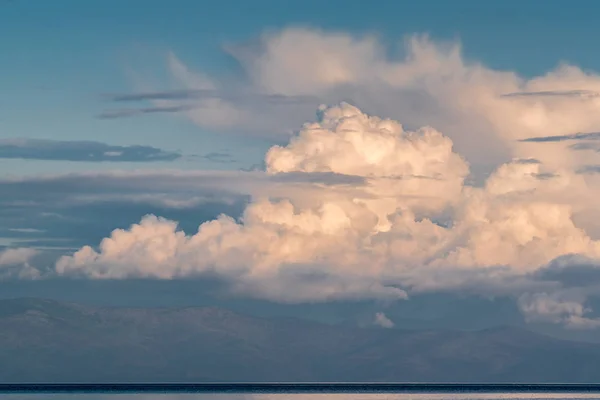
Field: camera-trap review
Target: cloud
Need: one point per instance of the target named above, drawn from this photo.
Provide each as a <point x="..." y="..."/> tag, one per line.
<point x="486" y="113"/>
<point x="217" y="157"/>
<point x="169" y="188"/>
<point x="593" y="146"/>
<point x="198" y="99"/>
<point x="15" y="262"/>
<point x="589" y="169"/>
<point x="561" y="138"/>
<point x="66" y="211"/>
<point x="576" y="280"/>
<point x="26" y="230"/>
<point x="557" y="309"/>
<point x="382" y="237"/>
<point x="324" y="178"/>
<point x="130" y="112"/>
<point x="450" y="191"/>
<point x="63" y="212"/>
<point x="16" y="256"/>
<point x="555" y="93"/>
<point x="41" y="149"/>
<point x="218" y="105"/>
<point x="383" y="321"/>
<point x="213" y="94"/>
<point x="174" y="183"/>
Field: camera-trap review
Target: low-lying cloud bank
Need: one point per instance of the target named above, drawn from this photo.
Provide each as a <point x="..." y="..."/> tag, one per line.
<point x="411" y="225"/>
<point x="15" y="262"/>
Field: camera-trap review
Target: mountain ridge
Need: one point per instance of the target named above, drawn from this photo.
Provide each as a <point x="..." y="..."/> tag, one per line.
<point x="43" y="340"/>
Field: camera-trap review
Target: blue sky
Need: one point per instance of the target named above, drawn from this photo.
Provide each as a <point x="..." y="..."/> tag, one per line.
<point x="59" y="57"/>
<point x="200" y="99"/>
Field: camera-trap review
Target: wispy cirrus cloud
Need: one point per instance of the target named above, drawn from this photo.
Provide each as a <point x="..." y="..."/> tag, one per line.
<point x="193" y="100"/>
<point x="85" y="151"/>
<point x="130" y="112"/>
<point x="213" y="94"/>
<point x="221" y="157"/>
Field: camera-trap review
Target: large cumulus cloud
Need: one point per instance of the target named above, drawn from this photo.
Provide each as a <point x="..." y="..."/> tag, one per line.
<point x="412" y="224"/>
<point x="357" y="206"/>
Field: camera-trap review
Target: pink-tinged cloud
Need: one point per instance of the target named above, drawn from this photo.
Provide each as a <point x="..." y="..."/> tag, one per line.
<point x="375" y="240"/>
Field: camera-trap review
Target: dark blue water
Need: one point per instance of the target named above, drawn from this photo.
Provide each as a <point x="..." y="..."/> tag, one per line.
<point x="298" y="388"/>
<point x="298" y="392"/>
<point x="300" y="396"/>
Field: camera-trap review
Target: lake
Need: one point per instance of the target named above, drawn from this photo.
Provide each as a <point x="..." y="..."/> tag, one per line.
<point x="320" y="391"/>
<point x="299" y="396"/>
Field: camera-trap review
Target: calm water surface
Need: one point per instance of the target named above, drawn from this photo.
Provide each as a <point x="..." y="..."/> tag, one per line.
<point x="305" y="396"/>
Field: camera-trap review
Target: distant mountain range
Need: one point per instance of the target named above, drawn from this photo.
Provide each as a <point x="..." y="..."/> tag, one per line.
<point x="49" y="341"/>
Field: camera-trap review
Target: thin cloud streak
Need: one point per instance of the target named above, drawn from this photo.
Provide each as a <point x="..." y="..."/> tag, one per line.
<point x="83" y="151"/>
<point x="554" y="93"/>
<point x="212" y="94"/>
<point x="561" y="138"/>
<point x="194" y="100"/>
<point x="130" y="112"/>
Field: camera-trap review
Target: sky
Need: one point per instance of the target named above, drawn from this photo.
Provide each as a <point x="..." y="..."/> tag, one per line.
<point x="303" y="152"/>
<point x="60" y="58"/>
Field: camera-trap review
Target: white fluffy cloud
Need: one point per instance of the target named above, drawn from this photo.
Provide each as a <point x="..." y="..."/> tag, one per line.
<point x="412" y="219"/>
<point x="14" y="256"/>
<point x="403" y="214"/>
<point x="382" y="320"/>
<point x="15" y="262"/>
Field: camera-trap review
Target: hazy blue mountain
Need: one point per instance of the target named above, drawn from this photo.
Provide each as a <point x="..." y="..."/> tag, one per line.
<point x="49" y="341"/>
